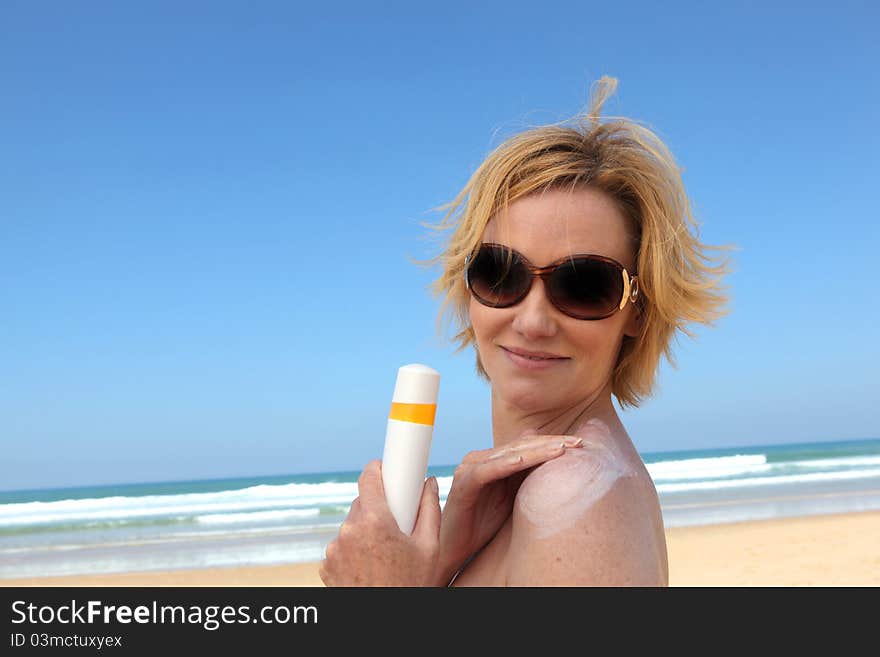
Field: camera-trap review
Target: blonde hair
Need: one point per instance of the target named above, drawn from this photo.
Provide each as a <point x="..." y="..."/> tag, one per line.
<point x="678" y="281"/>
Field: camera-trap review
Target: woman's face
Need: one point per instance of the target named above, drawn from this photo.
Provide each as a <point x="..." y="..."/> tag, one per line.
<point x="545" y="227"/>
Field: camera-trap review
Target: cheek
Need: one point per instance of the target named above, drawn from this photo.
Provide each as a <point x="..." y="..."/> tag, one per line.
<point x="595" y="342"/>
<point x="485" y="321"/>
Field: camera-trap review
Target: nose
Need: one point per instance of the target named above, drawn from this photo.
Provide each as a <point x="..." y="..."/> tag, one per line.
<point x="535" y="316"/>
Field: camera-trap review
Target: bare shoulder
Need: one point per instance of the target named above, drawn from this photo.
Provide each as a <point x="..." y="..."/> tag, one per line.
<point x="588" y="517"/>
<point x="568" y="485"/>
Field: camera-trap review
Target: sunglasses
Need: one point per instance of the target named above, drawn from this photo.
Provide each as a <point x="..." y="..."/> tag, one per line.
<point x="583" y="286"/>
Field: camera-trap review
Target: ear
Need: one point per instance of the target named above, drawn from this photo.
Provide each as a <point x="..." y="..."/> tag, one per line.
<point x="633" y="326"/>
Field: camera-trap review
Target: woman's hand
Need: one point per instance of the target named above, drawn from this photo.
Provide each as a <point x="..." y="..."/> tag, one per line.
<point x="370" y="549"/>
<point x="481" y="497"/>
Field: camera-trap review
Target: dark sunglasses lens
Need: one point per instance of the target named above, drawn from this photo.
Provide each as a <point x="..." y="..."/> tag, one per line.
<point x="493" y="281"/>
<point x="587" y="288"/>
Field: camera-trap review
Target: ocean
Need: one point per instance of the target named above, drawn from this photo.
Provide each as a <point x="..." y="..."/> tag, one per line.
<point x="283" y="519"/>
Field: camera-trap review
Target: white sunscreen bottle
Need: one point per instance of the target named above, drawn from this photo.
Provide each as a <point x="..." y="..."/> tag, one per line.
<point x="408" y="441"/>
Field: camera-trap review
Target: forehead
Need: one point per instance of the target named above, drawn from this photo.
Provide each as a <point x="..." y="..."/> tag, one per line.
<point x="550" y="225"/>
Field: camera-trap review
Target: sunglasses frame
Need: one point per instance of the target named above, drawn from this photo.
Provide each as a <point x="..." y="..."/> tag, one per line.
<point x="630" y="281"/>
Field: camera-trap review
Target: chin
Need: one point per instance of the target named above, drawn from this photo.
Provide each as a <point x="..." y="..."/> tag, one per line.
<point x="525" y="395"/>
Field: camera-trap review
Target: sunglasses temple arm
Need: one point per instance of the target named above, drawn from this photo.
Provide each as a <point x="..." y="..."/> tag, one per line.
<point x="630" y="289"/>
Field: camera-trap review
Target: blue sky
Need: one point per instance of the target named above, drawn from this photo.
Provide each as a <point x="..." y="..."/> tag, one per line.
<point x="208" y="210"/>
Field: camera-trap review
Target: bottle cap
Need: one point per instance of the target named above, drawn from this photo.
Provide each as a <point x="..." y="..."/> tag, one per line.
<point x="416" y="384"/>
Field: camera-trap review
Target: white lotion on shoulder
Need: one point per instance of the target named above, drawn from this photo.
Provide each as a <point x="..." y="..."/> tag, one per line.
<point x="557" y="493"/>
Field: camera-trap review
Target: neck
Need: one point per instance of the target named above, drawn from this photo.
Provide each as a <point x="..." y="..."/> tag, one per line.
<point x="510" y="422"/>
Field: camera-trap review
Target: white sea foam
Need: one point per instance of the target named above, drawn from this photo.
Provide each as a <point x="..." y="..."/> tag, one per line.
<point x="744" y="466"/>
<point x="222" y="532"/>
<point x="254" y="503"/>
<point x="846" y="462"/>
<point x="764" y="481"/>
<point x="704" y="468"/>
<point x="260" y="497"/>
<point x="255" y="516"/>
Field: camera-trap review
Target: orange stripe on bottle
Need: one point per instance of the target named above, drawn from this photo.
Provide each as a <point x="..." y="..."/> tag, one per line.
<point x="418" y="413"/>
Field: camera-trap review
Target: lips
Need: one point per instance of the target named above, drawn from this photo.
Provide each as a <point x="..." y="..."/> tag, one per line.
<point x="534" y="355"/>
<point x="533" y="364"/>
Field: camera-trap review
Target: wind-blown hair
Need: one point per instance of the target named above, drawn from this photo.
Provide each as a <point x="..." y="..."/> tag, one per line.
<point x="679" y="283"/>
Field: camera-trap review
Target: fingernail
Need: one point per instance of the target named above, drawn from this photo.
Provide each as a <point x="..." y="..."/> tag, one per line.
<point x="516" y="459"/>
<point x="435" y="484"/>
<point x="574" y="442"/>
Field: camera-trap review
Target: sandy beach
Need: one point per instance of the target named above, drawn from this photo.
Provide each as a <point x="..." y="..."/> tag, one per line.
<point x="828" y="550"/>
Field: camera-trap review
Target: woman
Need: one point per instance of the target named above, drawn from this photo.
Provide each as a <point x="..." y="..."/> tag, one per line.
<point x="570" y="268"/>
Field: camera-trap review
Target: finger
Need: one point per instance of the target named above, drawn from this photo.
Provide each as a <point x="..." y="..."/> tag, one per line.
<point x="427" y="527"/>
<point x="503" y="461"/>
<point x="324" y="570"/>
<point x="536" y="442"/>
<point x="568" y="439"/>
<point x="370" y="487"/>
<point x="527" y="438"/>
<point x="476" y="456"/>
<point x="516" y="461"/>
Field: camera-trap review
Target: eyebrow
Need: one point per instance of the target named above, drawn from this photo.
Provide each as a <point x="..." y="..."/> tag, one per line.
<point x="560" y="258"/>
<point x="557" y="261"/>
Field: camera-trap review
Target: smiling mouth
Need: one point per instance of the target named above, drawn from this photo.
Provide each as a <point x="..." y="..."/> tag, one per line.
<point x="535" y="358"/>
